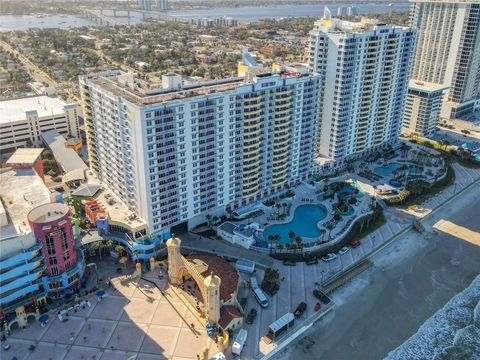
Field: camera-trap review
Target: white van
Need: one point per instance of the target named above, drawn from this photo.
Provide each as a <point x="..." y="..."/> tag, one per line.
<point x="261" y="297"/>
<point x="239" y="342"/>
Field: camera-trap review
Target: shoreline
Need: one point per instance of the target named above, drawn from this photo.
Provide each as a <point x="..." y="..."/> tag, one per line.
<point x="413" y="275"/>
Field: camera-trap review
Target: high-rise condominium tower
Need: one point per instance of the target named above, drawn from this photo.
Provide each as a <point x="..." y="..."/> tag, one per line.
<point x="365" y="69"/>
<point x="176" y="153"/>
<point x="448" y="50"/>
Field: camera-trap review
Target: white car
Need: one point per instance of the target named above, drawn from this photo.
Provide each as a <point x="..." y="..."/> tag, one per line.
<point x="343" y="250"/>
<point x="329" y="257"/>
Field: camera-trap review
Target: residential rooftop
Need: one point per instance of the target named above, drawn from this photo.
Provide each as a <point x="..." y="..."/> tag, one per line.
<point x="342" y="26"/>
<point x="45" y="106"/>
<point x="142" y="93"/>
<point x="426" y="86"/>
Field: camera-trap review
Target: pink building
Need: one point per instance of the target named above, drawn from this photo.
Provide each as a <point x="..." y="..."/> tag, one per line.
<point x="52" y="227"/>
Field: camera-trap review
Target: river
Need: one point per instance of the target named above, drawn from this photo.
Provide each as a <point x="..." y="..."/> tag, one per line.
<point x="245" y="14"/>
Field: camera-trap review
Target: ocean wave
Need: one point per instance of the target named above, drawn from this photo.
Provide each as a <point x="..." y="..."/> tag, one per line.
<point x="453" y="332"/>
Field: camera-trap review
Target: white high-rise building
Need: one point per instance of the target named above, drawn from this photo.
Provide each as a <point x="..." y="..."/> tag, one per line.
<point x="365" y="69"/>
<point x="448" y="50"/>
<point x="175" y="155"/>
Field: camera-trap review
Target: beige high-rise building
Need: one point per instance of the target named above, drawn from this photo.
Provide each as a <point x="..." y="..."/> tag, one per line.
<point x="448" y="50"/>
<point x="422" y="108"/>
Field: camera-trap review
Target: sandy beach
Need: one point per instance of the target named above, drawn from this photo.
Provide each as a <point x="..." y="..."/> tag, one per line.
<point x="411" y="280"/>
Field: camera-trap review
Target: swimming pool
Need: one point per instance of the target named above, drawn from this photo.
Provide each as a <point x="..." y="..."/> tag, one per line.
<point x="390" y="169"/>
<point x="304" y="224"/>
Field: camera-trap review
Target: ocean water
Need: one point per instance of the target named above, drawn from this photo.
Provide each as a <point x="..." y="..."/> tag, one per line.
<point x="453" y="332"/>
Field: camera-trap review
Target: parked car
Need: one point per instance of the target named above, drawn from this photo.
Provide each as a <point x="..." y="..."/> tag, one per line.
<point x="343" y="250"/>
<point x="300" y="309"/>
<point x="321" y="296"/>
<point x="251" y="316"/>
<point x="355" y="244"/>
<point x="289" y="263"/>
<point x="318" y="306"/>
<point x="329" y="257"/>
<point x="311" y="261"/>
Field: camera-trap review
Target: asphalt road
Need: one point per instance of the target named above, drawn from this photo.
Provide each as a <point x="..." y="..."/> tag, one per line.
<point x="411" y="280"/>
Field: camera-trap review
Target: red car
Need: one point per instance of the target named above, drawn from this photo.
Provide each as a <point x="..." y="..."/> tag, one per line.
<point x="355" y="244"/>
<point x="317" y="306"/>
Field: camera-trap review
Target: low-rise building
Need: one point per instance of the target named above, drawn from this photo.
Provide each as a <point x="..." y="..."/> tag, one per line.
<point x="69" y="161"/>
<point x="238" y="234"/>
<point x="23" y="121"/>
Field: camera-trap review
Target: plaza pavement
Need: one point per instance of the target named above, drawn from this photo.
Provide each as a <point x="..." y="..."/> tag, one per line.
<point x="133" y="321"/>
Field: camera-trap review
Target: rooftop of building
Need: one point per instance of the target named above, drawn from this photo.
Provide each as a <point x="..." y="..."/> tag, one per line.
<point x="70" y="161"/>
<point x="25" y="156"/>
<point x="142" y="93"/>
<point x="118" y="212"/>
<point x="48" y="212"/>
<point x="228" y="227"/>
<point x="221" y="268"/>
<point x="227" y="314"/>
<point x="334" y="25"/>
<point x="14" y="110"/>
<point x="14" y="245"/>
<point x="20" y="192"/>
<point x="426" y="86"/>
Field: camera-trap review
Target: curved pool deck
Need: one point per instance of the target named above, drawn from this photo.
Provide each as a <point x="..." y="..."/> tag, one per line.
<point x="388" y="171"/>
<point x="303" y="224"/>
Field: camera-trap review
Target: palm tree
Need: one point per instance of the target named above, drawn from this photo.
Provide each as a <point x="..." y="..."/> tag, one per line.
<point x="298" y="240"/>
<point x="275" y="239"/>
<point x="271" y="238"/>
<point x="292" y="236"/>
<point x="404" y="148"/>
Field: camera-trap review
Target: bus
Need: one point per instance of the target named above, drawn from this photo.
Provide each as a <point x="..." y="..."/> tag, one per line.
<point x="281" y="325"/>
<point x="261" y="297"/>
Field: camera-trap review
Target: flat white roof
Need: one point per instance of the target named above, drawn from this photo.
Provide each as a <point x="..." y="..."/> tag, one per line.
<point x="426" y="86"/>
<point x="25" y="156"/>
<point x="20" y="191"/>
<point x="14" y="110"/>
<point x="12" y="246"/>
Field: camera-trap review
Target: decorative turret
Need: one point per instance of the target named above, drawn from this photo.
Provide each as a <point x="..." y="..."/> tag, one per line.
<point x="174" y="259"/>
<point x="212" y="286"/>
